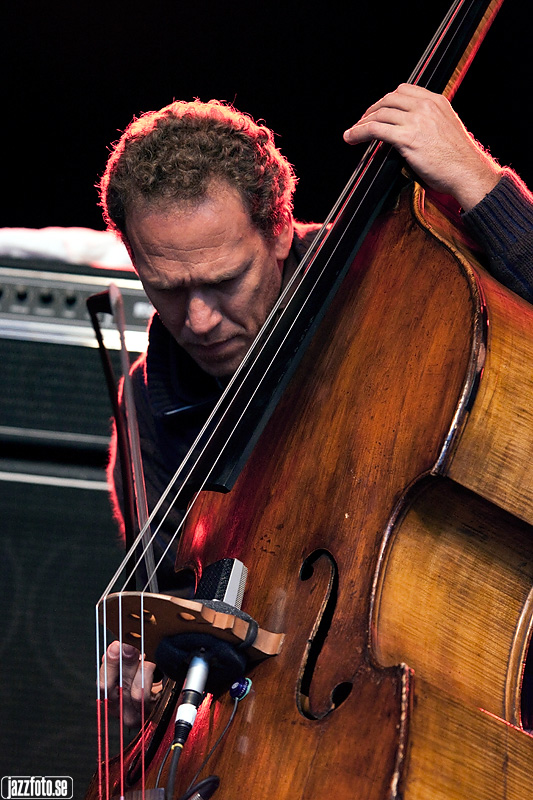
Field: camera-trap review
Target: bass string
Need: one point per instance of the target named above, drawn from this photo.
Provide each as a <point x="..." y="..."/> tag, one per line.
<point x="414" y="79"/>
<point x="102" y="646"/>
<point x="102" y="711"/>
<point x="239" y="374"/>
<point x="429" y="52"/>
<point x="247" y="362"/>
<point x="287" y="333"/>
<point x="103" y="728"/>
<point x="275" y="318"/>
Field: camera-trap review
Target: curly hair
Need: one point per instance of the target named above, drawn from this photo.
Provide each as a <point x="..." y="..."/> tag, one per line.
<point x="174" y="154"/>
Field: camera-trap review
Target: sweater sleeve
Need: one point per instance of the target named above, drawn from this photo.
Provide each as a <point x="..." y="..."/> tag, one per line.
<point x="503" y="224"/>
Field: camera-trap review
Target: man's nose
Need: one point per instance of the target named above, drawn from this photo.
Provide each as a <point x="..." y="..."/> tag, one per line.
<point x="202" y="312"/>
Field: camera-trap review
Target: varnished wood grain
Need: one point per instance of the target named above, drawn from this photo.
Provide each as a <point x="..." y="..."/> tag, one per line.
<point x="459" y="752"/>
<point x="456" y="575"/>
<point x="495" y="451"/>
<point x="353" y="470"/>
<point x="347" y="450"/>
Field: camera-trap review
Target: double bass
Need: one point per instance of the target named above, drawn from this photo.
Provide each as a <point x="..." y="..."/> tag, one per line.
<point x="367" y="468"/>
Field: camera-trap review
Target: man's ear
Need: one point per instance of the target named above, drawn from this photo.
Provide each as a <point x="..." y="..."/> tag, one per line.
<point x="283" y="240"/>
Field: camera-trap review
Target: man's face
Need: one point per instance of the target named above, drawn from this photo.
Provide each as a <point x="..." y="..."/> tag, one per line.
<point x="211" y="275"/>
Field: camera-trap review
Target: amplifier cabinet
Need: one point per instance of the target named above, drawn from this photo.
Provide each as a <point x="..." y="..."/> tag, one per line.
<point x="54" y="392"/>
<point x="58" y="542"/>
<point x="58" y="551"/>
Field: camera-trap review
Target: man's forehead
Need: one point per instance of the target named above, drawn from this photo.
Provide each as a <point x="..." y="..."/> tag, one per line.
<point x="214" y="240"/>
<point x="217" y="191"/>
<point x="190" y="230"/>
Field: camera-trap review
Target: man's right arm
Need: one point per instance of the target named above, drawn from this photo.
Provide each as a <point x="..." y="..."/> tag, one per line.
<point x="503" y="224"/>
<point x="497" y="206"/>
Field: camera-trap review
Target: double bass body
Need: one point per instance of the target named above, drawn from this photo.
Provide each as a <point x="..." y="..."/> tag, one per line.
<point x="381" y="536"/>
<point x="354" y="515"/>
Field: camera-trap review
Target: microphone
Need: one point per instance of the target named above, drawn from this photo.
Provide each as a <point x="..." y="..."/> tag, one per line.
<point x="221" y="588"/>
<point x="224" y="581"/>
<point x="190" y="698"/>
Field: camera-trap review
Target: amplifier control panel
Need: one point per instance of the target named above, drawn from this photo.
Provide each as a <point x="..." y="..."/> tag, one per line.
<point x="46" y="301"/>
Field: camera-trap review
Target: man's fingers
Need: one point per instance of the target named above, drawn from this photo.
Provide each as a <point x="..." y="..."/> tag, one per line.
<point x="138" y="687"/>
<point x="395" y="109"/>
<point x="401" y="99"/>
<point x="143" y="680"/>
<point x="110" y="669"/>
<point x="137" y="680"/>
<point x="384" y="123"/>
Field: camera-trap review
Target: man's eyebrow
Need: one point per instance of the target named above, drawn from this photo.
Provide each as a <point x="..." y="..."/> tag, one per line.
<point x="232" y="272"/>
<point x="174" y="284"/>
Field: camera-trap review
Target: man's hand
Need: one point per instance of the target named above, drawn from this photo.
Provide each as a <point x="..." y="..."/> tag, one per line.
<point x="131" y="682"/>
<point x="427" y="132"/>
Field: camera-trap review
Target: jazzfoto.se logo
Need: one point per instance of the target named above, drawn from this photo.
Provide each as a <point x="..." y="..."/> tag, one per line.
<point x="36" y="787"/>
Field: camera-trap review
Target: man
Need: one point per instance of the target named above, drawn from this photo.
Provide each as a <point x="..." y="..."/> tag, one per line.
<point x="203" y="201"/>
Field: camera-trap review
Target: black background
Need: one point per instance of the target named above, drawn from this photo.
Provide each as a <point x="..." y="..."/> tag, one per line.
<point x="74" y="73"/>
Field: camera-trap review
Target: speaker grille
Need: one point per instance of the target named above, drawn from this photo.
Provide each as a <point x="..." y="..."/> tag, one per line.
<point x="54" y="389"/>
<point x="58" y="550"/>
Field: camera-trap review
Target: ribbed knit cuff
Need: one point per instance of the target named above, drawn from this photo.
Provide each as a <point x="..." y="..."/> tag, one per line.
<point x="503" y="224"/>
